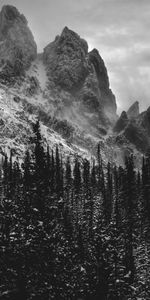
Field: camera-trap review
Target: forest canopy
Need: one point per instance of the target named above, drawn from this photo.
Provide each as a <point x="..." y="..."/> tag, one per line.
<point x="73" y="230"/>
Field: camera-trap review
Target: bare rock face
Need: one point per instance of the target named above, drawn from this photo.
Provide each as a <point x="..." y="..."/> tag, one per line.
<point x="135" y="127"/>
<point x="133" y="111"/>
<point x="144" y="121"/>
<point x="136" y="135"/>
<point x="17" y="46"/>
<point x="69" y="93"/>
<point x="121" y="122"/>
<point x="107" y="98"/>
<point x="82" y="74"/>
<point x="65" y="58"/>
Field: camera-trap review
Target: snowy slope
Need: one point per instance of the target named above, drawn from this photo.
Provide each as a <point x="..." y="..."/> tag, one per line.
<point x="23" y="103"/>
<point x="16" y="120"/>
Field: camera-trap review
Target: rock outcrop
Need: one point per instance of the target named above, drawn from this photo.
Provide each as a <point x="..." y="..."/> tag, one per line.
<point x="121" y="122"/>
<point x="107" y="98"/>
<point x="66" y="87"/>
<point x="66" y="60"/>
<point x="144" y="120"/>
<point x="82" y="74"/>
<point x="136" y="135"/>
<point x="133" y="111"/>
<point x="17" y="46"/>
<point x="135" y="127"/>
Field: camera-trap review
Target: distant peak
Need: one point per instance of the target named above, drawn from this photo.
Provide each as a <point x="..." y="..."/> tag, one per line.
<point x="10" y="10"/>
<point x="148" y="110"/>
<point x="73" y="38"/>
<point x="133" y="111"/>
<point x="17" y="40"/>
<point x="68" y="32"/>
<point x="121" y="122"/>
<point x="10" y="13"/>
<point x="124" y="115"/>
<point x="94" y="50"/>
<point x="66" y="29"/>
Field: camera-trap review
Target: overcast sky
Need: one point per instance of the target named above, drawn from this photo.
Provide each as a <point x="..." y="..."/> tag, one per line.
<point x="119" y="29"/>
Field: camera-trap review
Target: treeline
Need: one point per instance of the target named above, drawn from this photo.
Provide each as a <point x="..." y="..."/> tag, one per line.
<point x="73" y="230"/>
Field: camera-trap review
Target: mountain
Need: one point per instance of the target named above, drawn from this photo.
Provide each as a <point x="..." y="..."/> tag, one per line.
<point x="135" y="127"/>
<point x="133" y="111"/>
<point x="17" y="46"/>
<point x="67" y="88"/>
<point x="122" y="122"/>
<point x="83" y="74"/>
<point x="79" y="80"/>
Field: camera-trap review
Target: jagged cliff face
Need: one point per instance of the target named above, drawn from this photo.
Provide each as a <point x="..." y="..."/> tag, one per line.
<point x="121" y="123"/>
<point x="66" y="60"/>
<point x="134" y="127"/>
<point x="80" y="73"/>
<point x="17" y="46"/>
<point x="107" y="98"/>
<point x="133" y="111"/>
<point x="68" y="89"/>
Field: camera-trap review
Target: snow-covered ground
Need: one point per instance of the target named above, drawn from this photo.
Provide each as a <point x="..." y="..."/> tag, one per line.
<point x="18" y="109"/>
<point x="15" y="125"/>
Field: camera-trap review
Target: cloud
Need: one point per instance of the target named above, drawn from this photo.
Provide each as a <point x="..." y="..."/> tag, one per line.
<point x="122" y="37"/>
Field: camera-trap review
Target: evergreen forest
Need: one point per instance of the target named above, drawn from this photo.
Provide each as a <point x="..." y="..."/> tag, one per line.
<point x="73" y="229"/>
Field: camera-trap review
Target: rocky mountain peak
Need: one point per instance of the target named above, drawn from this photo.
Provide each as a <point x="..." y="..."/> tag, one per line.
<point x="133" y="111"/>
<point x="69" y="36"/>
<point x="71" y="68"/>
<point x="121" y="122"/>
<point x="100" y="68"/>
<point x="107" y="98"/>
<point x="66" y="87"/>
<point x="8" y="16"/>
<point x="65" y="60"/>
<point x="148" y="110"/>
<point x="17" y="46"/>
<point x="145" y="120"/>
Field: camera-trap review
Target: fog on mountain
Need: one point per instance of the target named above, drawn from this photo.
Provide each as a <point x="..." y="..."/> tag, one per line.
<point x="74" y="176"/>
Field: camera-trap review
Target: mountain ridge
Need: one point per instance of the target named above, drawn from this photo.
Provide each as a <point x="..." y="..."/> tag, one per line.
<point x="67" y="88"/>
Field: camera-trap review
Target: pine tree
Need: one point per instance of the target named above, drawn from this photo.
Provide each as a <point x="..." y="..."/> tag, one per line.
<point x="93" y="178"/>
<point x="99" y="165"/>
<point x="5" y="169"/>
<point x="108" y="199"/>
<point x="59" y="174"/>
<point x="77" y="190"/>
<point x="77" y="176"/>
<point x="27" y="178"/>
<point x="53" y="171"/>
<point x="146" y="188"/>
<point x="48" y="171"/>
<point x="131" y="216"/>
<point x="40" y="162"/>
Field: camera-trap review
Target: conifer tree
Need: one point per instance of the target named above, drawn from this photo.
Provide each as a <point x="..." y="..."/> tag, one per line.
<point x="146" y="187"/>
<point x="5" y="168"/>
<point x="109" y="193"/>
<point x="77" y="190"/>
<point x="131" y="216"/>
<point x="39" y="173"/>
<point x="48" y="171"/>
<point x="53" y="171"/>
<point x="77" y="176"/>
<point x="27" y="171"/>
<point x="58" y="173"/>
<point x="68" y="173"/>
